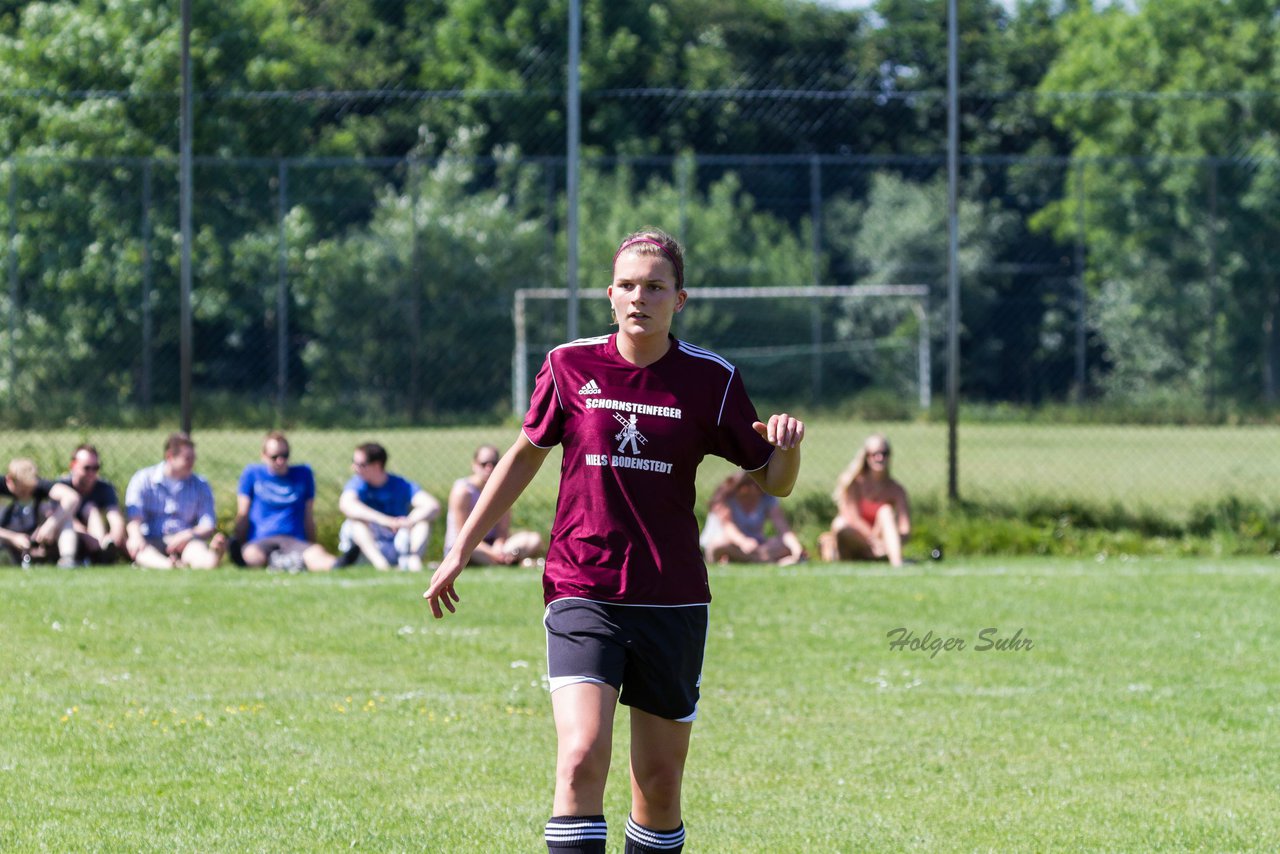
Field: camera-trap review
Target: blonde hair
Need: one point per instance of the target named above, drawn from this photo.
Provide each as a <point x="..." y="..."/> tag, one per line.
<point x="857" y="467"/>
<point x="23" y="473"/>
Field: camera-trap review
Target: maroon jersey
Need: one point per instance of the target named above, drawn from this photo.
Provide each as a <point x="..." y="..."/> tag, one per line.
<point x="633" y="437"/>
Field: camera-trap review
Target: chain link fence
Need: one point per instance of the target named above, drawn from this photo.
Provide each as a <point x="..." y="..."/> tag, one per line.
<point x="353" y="297"/>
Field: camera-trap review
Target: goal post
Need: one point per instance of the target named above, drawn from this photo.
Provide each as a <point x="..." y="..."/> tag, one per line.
<point x="916" y="297"/>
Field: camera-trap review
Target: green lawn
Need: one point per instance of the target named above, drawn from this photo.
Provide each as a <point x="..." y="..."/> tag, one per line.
<point x="260" y="712"/>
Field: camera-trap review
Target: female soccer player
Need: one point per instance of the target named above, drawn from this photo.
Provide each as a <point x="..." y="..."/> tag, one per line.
<point x="625" y="583"/>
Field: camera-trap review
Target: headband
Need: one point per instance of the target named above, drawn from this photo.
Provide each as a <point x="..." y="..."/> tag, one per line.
<point x="674" y="263"/>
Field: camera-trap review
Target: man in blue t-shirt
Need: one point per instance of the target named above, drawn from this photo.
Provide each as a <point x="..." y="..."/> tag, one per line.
<point x="274" y="523"/>
<point x="388" y="518"/>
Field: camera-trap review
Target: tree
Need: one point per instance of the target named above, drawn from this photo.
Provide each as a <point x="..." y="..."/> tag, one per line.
<point x="1177" y="191"/>
<point x="90" y="127"/>
<point x="409" y="315"/>
<point x="899" y="236"/>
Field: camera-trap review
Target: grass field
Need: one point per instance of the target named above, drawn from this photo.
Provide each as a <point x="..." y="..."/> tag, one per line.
<point x="230" y="711"/>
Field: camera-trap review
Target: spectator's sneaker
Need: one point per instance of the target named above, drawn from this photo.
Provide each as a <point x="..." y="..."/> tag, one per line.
<point x="347" y="558"/>
<point x="283" y="561"/>
<point x="67" y="563"/>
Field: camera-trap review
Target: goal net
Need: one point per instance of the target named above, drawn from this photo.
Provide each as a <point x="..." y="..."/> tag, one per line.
<point x="795" y="345"/>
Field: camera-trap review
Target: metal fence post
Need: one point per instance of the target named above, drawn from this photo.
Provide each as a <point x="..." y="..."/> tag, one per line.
<point x="1211" y="374"/>
<point x="13" y="278"/>
<point x="144" y="385"/>
<point x="415" y="297"/>
<point x="282" y="292"/>
<point x="953" y="255"/>
<point x="185" y="343"/>
<point x="1077" y="392"/>
<point x="519" y="357"/>
<point x="573" y="141"/>
<point x="815" y="310"/>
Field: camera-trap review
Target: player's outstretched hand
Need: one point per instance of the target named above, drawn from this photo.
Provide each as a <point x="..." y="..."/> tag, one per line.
<point x="783" y="431"/>
<point x="441" y="589"/>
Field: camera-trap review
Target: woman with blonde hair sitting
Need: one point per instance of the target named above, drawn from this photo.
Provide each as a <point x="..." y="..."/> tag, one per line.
<point x="874" y="517"/>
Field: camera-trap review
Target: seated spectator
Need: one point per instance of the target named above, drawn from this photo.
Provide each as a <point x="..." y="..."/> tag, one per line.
<point x="735" y="528"/>
<point x="36" y="525"/>
<point x="501" y="545"/>
<point x="170" y="509"/>
<point x="388" y="518"/>
<point x="99" y="523"/>
<point x="874" y="517"/>
<point x="274" y="523"/>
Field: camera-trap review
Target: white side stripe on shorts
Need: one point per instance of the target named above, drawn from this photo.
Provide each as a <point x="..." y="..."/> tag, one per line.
<point x="555" y="683"/>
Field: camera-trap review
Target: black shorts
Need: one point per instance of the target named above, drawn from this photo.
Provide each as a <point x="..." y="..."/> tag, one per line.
<point x="652" y="655"/>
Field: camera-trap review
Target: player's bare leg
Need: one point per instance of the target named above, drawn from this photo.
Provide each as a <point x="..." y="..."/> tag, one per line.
<point x="659" y="748"/>
<point x="584" y="740"/>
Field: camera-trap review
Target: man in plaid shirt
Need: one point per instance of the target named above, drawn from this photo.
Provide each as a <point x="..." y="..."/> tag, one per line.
<point x="170" y="509"/>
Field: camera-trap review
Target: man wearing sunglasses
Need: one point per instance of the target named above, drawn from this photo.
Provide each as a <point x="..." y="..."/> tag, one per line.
<point x="99" y="523"/>
<point x="388" y="517"/>
<point x="275" y="526"/>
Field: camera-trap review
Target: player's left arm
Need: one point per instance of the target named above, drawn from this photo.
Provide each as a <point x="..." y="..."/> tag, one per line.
<point x="785" y="432"/>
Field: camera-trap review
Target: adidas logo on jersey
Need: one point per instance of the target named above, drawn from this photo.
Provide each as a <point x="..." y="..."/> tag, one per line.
<point x="590" y="388"/>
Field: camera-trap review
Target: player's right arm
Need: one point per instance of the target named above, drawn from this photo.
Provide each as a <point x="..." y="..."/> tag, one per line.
<point x="513" y="474"/>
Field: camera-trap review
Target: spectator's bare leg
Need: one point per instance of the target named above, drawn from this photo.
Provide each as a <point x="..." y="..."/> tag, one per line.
<point x="772" y="550"/>
<point x="850" y="545"/>
<point x="363" y="537"/>
<point x="887" y="528"/>
<point x="418" y="536"/>
<point x="254" y="554"/>
<point x="68" y="543"/>
<point x="317" y="558"/>
<point x="150" y="557"/>
<point x="96" y="523"/>
<point x="201" y="555"/>
<point x="524" y="545"/>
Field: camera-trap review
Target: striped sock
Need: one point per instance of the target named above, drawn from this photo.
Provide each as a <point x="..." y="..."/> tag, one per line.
<point x="642" y="840"/>
<point x="576" y="834"/>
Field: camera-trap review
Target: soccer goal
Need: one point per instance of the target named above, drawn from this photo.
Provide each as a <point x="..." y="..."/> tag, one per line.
<point x="812" y="343"/>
